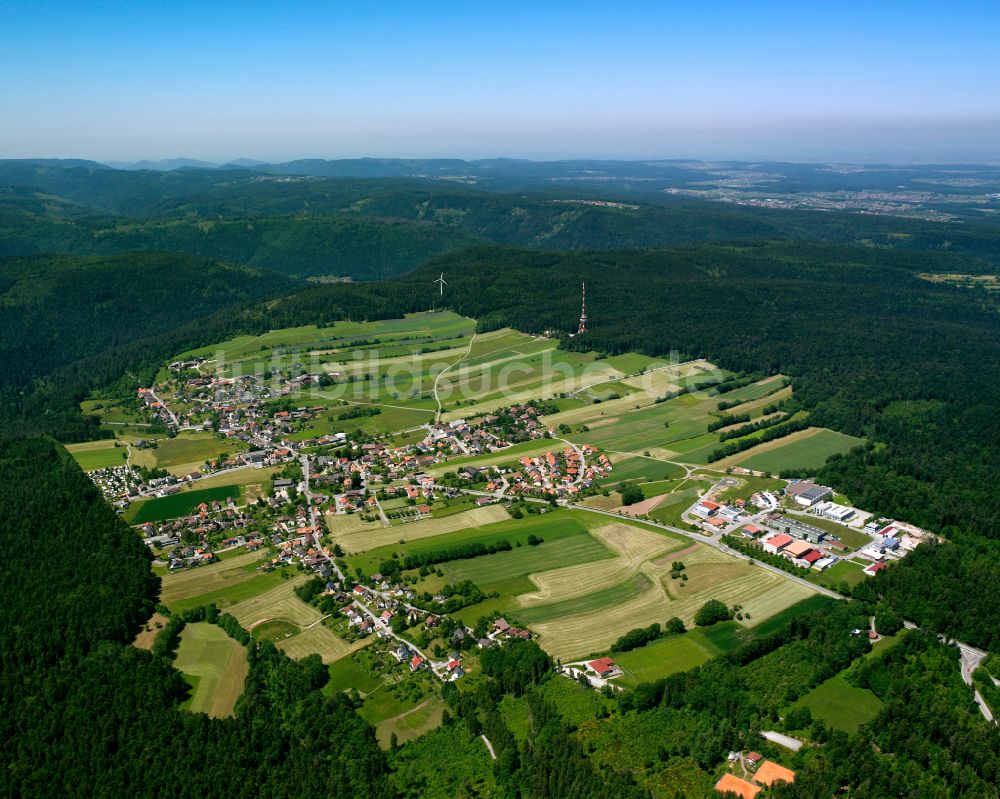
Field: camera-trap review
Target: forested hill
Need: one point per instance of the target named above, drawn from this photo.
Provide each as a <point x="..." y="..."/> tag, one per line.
<point x="59" y="313"/>
<point x="85" y="714"/>
<point x="61" y="309"/>
<point x="382" y="227"/>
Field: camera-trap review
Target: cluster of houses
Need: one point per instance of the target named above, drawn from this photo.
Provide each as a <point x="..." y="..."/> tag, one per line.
<point x="759" y="774"/>
<point x="562" y="473"/>
<point x="211" y="520"/>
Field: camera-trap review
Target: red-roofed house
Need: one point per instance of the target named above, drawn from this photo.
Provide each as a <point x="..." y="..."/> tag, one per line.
<point x="604" y="668"/>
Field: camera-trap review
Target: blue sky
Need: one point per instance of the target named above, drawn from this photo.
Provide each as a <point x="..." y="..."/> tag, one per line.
<point x="800" y="80"/>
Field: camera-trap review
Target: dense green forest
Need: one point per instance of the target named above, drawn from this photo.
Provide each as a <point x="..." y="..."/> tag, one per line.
<point x="85" y="714"/>
<point x="384" y="226"/>
<point x="55" y="310"/>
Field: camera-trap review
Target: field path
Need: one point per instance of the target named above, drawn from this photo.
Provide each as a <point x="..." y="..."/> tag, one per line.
<point x="437" y="399"/>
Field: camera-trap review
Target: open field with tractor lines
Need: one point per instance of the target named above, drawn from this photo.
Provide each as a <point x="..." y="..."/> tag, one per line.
<point x="188" y="583"/>
<point x="98" y="454"/>
<point x="378" y="536"/>
<point x="711" y="575"/>
<point x="214" y="665"/>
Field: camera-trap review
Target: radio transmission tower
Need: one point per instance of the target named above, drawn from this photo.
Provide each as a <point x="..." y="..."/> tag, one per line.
<point x="583" y="312"/>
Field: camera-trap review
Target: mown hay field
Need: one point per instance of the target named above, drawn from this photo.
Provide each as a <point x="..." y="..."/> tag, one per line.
<point x="377" y="536"/>
<point x="206" y="579"/>
<point x="279" y="602"/>
<point x="711" y="575"/>
<point x="216" y="666"/>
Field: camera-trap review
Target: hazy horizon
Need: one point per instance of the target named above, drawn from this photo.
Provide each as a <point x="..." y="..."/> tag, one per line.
<point x="892" y="83"/>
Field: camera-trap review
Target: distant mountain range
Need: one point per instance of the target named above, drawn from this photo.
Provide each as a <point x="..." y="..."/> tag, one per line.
<point x="171" y="164"/>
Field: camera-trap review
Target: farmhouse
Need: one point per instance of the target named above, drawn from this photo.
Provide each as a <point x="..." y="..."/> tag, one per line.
<point x="604" y="668"/>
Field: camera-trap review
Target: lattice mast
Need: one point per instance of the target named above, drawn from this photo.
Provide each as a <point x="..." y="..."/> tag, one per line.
<point x="583" y="312"/>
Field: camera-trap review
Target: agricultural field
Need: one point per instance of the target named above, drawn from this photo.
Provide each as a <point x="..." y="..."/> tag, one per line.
<point x="700" y="644"/>
<point x="410" y="723"/>
<point x="552" y="526"/>
<point x="214" y="665"/>
<point x="183" y="503"/>
<point x="252" y="479"/>
<point x="510" y="570"/>
<point x="193" y="583"/>
<point x="231" y="594"/>
<point x="593" y="578"/>
<point x="184" y="453"/>
<point x="638" y="468"/>
<point x="101" y="454"/>
<point x="374" y="535"/>
<point x="711" y="575"/>
<point x="316" y="639"/>
<point x="677" y="653"/>
<point x="806" y="450"/>
<point x="412" y="333"/>
<point x="277" y="602"/>
<point x="351" y="672"/>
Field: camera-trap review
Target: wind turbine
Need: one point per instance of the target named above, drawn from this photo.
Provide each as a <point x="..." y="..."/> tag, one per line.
<point x="442" y="283"/>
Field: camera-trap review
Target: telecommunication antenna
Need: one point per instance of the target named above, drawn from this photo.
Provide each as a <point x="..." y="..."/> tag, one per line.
<point x="442" y="283"/>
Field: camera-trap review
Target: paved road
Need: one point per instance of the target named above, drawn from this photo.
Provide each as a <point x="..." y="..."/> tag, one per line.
<point x="312" y="516"/>
<point x="383" y="626"/>
<point x="169" y="412"/>
<point x="583" y="462"/>
<point x="970" y="660"/>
